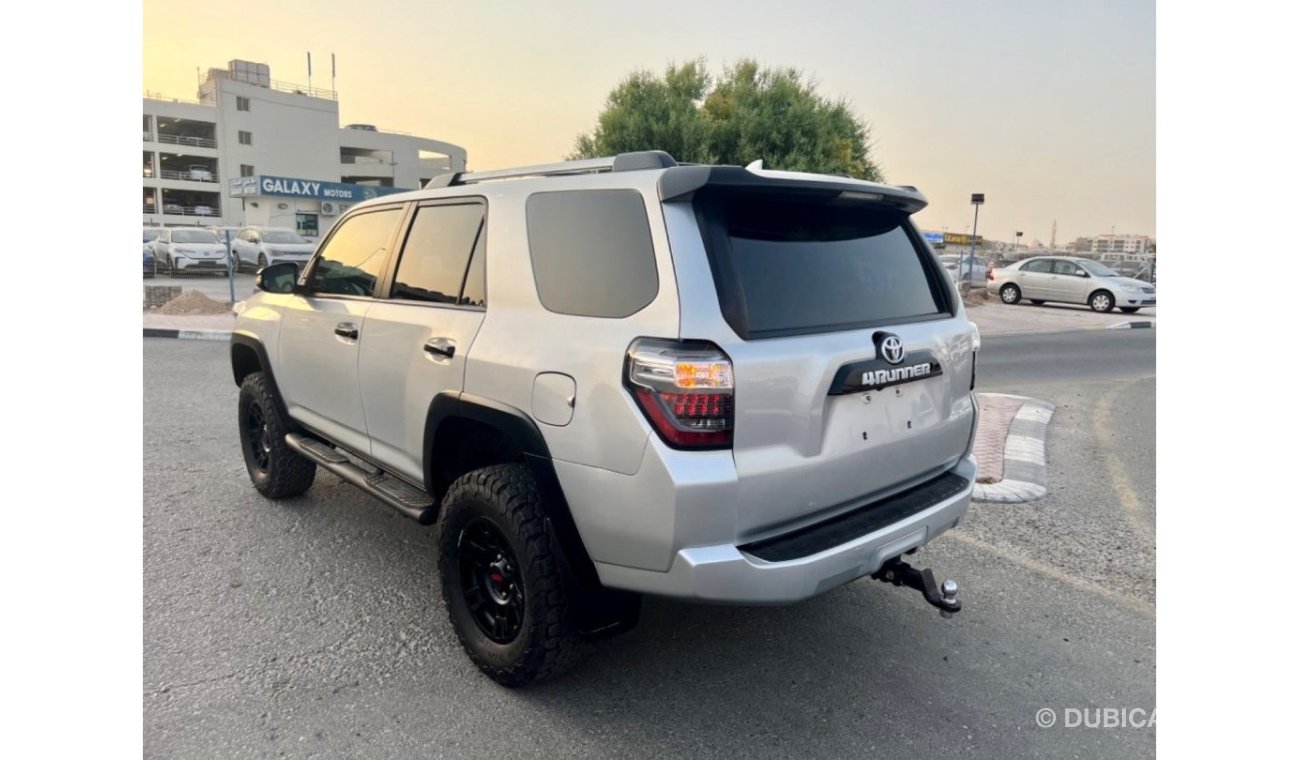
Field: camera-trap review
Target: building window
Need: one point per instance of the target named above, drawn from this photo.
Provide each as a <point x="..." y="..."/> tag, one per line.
<point x="245" y="138"/>
<point x="242" y="103"/>
<point x="308" y="225"/>
<point x="245" y="170"/>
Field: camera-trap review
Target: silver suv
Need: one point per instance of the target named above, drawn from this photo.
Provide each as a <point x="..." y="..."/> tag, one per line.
<point x="623" y="376"/>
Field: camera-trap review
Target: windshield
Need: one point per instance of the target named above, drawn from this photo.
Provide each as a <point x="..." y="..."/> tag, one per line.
<point x="1095" y="269"/>
<point x="150" y="235"/>
<point x="282" y="236"/>
<point x="193" y="236"/>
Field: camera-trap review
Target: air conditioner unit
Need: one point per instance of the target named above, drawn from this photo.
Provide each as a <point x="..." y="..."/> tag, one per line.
<point x="329" y="208"/>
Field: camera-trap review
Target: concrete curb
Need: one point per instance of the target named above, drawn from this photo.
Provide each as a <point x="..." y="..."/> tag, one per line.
<point x="1024" y="457"/>
<point x="1131" y="325"/>
<point x="162" y="332"/>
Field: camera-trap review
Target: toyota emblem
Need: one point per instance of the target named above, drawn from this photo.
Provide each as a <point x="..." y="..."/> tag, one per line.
<point x="891" y="349"/>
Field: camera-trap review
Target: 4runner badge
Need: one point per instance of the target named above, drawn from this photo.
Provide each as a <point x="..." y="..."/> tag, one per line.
<point x="888" y="368"/>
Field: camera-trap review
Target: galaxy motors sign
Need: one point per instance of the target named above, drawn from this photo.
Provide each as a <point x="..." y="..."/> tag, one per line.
<point x="292" y="187"/>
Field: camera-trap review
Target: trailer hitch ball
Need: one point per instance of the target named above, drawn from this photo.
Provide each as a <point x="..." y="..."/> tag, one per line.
<point x="949" y="591"/>
<point x="899" y="573"/>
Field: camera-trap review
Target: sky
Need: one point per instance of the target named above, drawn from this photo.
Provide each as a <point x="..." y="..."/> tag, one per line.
<point x="1048" y="108"/>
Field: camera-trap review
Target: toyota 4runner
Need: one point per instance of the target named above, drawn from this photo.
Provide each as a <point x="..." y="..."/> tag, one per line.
<point x="623" y="376"/>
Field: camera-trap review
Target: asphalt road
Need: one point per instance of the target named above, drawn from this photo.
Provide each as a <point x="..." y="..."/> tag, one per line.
<point x="313" y="627"/>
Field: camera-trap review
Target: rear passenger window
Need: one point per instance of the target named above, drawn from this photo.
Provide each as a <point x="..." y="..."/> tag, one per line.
<point x="591" y="251"/>
<point x="351" y="260"/>
<point x="1038" y="265"/>
<point x="437" y="254"/>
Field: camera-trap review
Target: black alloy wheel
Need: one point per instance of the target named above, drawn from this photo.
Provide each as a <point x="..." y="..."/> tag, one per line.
<point x="490" y="581"/>
<point x="257" y="437"/>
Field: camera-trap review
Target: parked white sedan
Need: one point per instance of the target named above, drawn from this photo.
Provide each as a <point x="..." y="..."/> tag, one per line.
<point x="1071" y="280"/>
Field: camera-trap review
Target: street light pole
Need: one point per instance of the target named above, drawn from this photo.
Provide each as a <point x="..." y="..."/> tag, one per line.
<point x="976" y="200"/>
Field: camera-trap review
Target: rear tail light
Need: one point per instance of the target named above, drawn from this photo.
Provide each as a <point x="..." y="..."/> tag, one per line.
<point x="685" y="389"/>
<point x="990" y="275"/>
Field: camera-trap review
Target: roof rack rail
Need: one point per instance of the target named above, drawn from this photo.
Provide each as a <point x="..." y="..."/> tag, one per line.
<point x="623" y="162"/>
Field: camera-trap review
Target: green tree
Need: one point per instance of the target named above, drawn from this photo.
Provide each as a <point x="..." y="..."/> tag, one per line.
<point x="749" y="113"/>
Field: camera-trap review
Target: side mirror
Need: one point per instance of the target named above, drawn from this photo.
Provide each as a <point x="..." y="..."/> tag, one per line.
<point x="1081" y="273"/>
<point x="278" y="278"/>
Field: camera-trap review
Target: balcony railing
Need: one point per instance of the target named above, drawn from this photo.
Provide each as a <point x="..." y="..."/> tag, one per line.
<point x="186" y="175"/>
<point x="150" y="208"/>
<point x="195" y="142"/>
<point x="147" y="136"/>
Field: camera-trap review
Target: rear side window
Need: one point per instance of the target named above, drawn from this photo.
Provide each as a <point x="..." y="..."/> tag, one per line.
<point x="789" y="263"/>
<point x="1038" y="265"/>
<point x="437" y="253"/>
<point x="351" y="260"/>
<point x="591" y="251"/>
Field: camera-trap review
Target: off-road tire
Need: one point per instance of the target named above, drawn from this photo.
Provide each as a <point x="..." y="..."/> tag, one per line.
<point x="1101" y="301"/>
<point x="547" y="643"/>
<point x="286" y="473"/>
<point x="1010" y="294"/>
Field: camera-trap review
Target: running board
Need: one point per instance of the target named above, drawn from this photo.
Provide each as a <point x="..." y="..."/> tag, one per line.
<point x="391" y="490"/>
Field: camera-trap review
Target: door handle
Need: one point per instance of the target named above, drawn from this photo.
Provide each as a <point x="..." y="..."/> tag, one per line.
<point x="444" y="347"/>
<point x="346" y="330"/>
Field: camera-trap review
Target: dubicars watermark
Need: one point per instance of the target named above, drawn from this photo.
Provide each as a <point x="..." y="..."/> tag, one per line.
<point x="1096" y="717"/>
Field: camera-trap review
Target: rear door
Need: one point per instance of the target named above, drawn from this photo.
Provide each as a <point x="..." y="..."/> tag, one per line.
<point x="418" y="337"/>
<point x="852" y="371"/>
<point x="324" y="327"/>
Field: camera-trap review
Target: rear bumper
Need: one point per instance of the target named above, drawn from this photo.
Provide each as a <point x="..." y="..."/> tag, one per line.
<point x="736" y="574"/>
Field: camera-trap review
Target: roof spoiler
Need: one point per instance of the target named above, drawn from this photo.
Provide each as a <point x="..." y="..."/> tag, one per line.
<point x="678" y="183"/>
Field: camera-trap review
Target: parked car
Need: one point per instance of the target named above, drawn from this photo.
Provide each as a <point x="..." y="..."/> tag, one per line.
<point x="172" y="207"/>
<point x="190" y="250"/>
<point x="199" y="172"/>
<point x="150" y="263"/>
<point x="715" y="383"/>
<point x="257" y="247"/>
<point x="958" y="264"/>
<point x="1065" y="279"/>
<point x="202" y="210"/>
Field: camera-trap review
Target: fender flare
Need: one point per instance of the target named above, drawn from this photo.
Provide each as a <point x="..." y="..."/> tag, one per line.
<point x="244" y="341"/>
<point x="520" y="429"/>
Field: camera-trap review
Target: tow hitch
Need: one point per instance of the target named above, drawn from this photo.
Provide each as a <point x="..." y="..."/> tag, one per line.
<point x="899" y="573"/>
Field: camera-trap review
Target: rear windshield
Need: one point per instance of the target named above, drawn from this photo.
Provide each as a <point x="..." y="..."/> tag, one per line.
<point x="788" y="264"/>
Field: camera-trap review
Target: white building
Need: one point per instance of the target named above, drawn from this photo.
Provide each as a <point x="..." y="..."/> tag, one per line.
<point x="1133" y="245"/>
<point x="252" y="150"/>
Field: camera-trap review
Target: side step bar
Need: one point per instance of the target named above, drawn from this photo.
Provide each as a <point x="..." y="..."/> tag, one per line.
<point x="391" y="490"/>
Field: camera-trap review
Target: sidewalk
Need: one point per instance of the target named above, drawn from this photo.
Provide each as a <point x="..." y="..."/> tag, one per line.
<point x="201" y="327"/>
